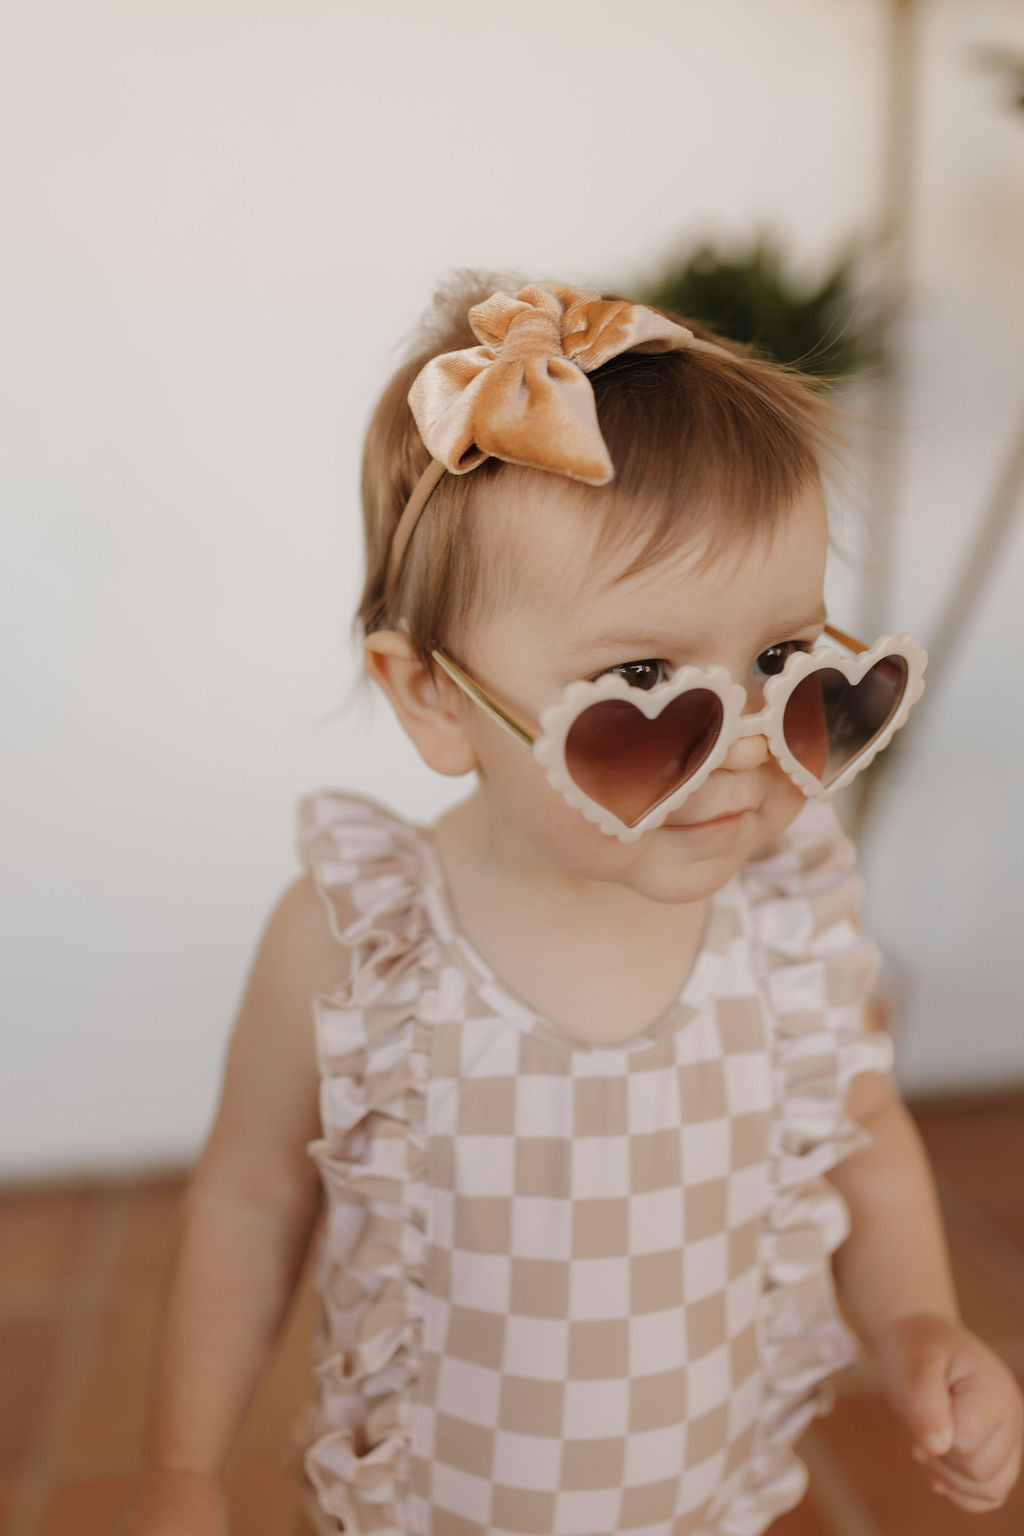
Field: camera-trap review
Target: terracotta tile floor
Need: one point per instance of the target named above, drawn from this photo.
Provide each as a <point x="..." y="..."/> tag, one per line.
<point x="80" y="1278"/>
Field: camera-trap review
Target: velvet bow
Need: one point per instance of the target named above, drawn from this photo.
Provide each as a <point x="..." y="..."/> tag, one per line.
<point x="523" y="395"/>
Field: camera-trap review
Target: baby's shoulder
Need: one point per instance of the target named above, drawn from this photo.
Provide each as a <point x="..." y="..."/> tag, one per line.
<point x="299" y="953"/>
<point x="268" y="1103"/>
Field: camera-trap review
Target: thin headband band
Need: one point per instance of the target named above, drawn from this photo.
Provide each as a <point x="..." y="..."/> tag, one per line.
<point x="422" y="491"/>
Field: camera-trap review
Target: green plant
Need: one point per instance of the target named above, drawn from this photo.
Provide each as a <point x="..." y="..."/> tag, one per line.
<point x="749" y="296"/>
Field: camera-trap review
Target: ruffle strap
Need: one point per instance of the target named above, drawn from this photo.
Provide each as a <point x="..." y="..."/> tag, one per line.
<point x="817" y="971"/>
<point x="373" y="1040"/>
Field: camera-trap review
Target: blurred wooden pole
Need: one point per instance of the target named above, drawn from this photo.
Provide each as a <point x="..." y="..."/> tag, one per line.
<point x="897" y="182"/>
<point x="885" y="460"/>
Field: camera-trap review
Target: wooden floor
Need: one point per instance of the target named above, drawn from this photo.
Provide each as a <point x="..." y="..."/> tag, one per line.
<point x="81" y="1271"/>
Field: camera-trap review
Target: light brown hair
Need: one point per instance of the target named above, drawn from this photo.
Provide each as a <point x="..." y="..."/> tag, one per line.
<point x="701" y="443"/>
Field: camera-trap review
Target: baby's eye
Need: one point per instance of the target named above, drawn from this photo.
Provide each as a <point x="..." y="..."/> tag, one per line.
<point x="771" y="662"/>
<point x="640" y="674"/>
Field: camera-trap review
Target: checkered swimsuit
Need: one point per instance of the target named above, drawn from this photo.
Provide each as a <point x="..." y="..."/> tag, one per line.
<point x="567" y="1289"/>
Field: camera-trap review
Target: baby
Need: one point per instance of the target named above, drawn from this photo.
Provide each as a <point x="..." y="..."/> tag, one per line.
<point x="596" y="1112"/>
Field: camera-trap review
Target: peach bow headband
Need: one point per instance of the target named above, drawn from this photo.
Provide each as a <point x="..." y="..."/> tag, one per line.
<point x="522" y="395"/>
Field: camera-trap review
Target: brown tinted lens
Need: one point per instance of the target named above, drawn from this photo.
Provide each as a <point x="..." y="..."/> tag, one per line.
<point x="829" y="720"/>
<point x="628" y="763"/>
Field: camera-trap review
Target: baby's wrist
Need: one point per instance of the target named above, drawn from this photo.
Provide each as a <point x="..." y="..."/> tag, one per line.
<point x="909" y="1328"/>
<point x="923" y="1317"/>
<point x="939" y="1314"/>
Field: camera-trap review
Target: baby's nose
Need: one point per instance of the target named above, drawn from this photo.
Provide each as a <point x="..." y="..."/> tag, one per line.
<point x="747" y="753"/>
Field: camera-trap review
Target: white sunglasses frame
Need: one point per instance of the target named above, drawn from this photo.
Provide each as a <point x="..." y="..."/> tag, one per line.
<point x="556" y="720"/>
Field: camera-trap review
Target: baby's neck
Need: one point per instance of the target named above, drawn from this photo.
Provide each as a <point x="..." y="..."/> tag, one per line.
<point x="593" y="956"/>
<point x="480" y="850"/>
<point x="493" y="864"/>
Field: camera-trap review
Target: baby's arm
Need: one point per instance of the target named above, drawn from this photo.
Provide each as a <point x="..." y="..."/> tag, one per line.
<point x="248" y="1218"/>
<point x="960" y="1401"/>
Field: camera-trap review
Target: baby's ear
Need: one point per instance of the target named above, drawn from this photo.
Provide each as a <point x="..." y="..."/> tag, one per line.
<point x="427" y="706"/>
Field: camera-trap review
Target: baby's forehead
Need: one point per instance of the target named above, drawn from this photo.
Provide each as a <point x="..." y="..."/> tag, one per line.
<point x="554" y="582"/>
<point x="554" y="544"/>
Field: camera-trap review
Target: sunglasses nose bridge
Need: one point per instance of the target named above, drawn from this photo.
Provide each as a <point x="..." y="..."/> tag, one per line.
<point x="755" y="724"/>
<point x="748" y="742"/>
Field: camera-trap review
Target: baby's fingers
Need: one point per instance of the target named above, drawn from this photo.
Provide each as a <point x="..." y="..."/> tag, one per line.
<point x="971" y="1502"/>
<point x="921" y="1396"/>
<point x="968" y="1493"/>
<point x="982" y="1479"/>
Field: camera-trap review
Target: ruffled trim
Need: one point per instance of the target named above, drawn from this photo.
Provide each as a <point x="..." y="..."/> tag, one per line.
<point x="817" y="970"/>
<point x="373" y="1041"/>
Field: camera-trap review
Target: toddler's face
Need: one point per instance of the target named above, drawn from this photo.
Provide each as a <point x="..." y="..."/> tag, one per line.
<point x="746" y="609"/>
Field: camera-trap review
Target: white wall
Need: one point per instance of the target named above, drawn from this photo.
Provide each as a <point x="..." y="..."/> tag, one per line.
<point x="220" y="218"/>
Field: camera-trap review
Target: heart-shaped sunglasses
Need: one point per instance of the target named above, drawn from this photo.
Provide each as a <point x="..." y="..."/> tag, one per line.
<point x="628" y="757"/>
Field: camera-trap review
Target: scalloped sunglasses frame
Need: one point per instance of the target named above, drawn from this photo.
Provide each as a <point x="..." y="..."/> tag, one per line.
<point x="626" y="758"/>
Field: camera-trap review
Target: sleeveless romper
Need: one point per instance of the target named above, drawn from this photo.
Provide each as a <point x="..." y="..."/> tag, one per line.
<point x="572" y="1289"/>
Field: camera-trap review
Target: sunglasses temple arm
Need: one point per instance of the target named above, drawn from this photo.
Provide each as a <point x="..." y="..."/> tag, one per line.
<point x="477" y="694"/>
<point x="851" y="644"/>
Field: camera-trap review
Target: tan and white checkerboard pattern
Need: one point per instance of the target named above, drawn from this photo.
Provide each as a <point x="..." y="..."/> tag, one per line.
<point x="588" y="1283"/>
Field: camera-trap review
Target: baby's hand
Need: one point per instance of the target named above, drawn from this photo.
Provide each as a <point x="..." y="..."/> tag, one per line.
<point x="962" y="1404"/>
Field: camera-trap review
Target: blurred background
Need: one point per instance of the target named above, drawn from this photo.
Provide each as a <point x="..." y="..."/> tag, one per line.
<point x="220" y="221"/>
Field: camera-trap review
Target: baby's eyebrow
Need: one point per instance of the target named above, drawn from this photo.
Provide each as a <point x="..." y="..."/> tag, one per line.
<point x="640" y="645"/>
<point x="645" y="643"/>
<point x="818" y="615"/>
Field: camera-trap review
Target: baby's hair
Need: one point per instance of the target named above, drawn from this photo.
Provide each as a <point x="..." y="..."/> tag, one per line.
<point x="701" y="444"/>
